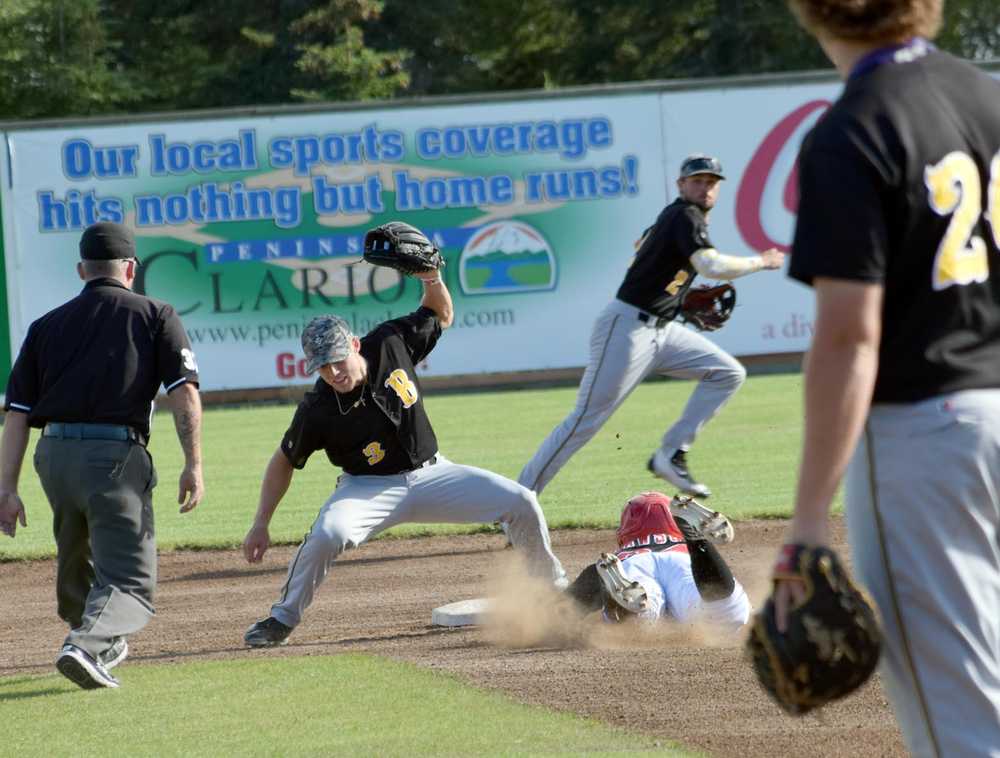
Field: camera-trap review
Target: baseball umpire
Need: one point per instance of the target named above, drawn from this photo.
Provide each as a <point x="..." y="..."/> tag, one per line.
<point x="666" y="567"/>
<point x="367" y="412"/>
<point x="637" y="334"/>
<point x="87" y="375"/>
<point x="898" y="232"/>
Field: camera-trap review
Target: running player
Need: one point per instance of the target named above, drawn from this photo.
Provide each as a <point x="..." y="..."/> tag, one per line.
<point x="636" y="335"/>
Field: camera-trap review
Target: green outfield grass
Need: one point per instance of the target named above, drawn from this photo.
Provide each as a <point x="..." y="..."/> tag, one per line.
<point x="363" y="705"/>
<point x="748" y="455"/>
<point x="290" y="706"/>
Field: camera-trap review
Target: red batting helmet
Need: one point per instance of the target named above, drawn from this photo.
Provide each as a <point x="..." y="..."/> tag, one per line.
<point x="647" y="514"/>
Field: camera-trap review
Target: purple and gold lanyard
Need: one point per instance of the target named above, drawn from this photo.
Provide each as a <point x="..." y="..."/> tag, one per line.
<point x="907" y="52"/>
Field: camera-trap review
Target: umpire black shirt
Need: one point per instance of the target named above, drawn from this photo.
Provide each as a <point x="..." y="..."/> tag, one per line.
<point x="100" y="358"/>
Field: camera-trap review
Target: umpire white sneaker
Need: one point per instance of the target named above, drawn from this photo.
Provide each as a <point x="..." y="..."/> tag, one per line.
<point x="83" y="669"/>
<point x="267" y="633"/>
<point x="700" y="522"/>
<point x="674" y="469"/>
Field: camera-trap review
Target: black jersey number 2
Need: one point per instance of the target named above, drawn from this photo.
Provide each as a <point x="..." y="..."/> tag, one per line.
<point x="954" y="188"/>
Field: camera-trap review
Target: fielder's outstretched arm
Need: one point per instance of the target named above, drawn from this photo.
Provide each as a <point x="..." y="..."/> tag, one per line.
<point x="277" y="478"/>
<point x="712" y="264"/>
<point x="437" y="297"/>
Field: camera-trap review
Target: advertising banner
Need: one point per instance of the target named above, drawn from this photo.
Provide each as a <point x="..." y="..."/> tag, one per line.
<point x="252" y="225"/>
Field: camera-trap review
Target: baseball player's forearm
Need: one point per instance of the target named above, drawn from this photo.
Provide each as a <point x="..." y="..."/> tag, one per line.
<point x="13" y="443"/>
<point x="438" y="298"/>
<point x="712" y="264"/>
<point x="277" y="479"/>
<point x="840" y="371"/>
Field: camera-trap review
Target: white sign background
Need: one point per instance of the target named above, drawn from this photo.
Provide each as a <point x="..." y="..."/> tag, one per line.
<point x="552" y="328"/>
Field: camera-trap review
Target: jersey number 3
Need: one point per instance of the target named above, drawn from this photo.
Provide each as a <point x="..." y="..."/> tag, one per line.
<point x="373" y="452"/>
<point x="954" y="188"/>
<point x="400" y="383"/>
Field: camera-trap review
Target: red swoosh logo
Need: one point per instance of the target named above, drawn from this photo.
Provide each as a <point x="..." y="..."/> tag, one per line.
<point x="758" y="171"/>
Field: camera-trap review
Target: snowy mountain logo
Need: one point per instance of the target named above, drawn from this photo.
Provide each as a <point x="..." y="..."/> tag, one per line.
<point x="506" y="256"/>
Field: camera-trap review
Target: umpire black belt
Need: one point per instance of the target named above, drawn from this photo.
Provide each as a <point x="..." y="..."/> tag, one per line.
<point x="658" y="321"/>
<point x="93" y="432"/>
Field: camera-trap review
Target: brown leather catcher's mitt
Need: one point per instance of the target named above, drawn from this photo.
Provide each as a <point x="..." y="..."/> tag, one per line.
<point x="832" y="642"/>
<point x="708" y="307"/>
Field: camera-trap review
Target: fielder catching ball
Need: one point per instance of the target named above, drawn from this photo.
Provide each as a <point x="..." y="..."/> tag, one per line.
<point x="366" y="411"/>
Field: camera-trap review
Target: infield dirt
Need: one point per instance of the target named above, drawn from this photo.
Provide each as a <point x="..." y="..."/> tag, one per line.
<point x="680" y="685"/>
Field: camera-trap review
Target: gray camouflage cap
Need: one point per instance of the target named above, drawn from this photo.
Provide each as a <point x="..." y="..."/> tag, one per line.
<point x="326" y="339"/>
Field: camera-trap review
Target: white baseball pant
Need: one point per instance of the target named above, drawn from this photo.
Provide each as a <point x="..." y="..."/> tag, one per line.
<point x="623" y="351"/>
<point x="445" y="492"/>
<point x="923" y="516"/>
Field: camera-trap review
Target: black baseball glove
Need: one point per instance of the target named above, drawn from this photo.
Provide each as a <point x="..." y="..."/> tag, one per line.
<point x="402" y="247"/>
<point x="832" y="641"/>
<point x="708" y="307"/>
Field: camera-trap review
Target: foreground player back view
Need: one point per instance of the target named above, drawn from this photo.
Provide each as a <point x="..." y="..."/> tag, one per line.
<point x="366" y="412"/>
<point x="898" y="232"/>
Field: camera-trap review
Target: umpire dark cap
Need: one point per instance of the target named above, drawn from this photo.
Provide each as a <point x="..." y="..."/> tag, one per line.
<point x="699" y="163"/>
<point x="106" y="241"/>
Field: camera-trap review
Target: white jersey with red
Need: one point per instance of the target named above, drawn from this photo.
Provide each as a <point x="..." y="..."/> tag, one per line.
<point x="662" y="565"/>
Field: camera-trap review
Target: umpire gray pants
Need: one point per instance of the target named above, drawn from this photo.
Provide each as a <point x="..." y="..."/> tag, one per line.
<point x="101" y="494"/>
<point x="923" y="514"/>
<point x="623" y="352"/>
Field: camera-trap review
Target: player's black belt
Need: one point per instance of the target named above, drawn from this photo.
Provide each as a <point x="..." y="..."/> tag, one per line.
<point x="93" y="432"/>
<point x="658" y="321"/>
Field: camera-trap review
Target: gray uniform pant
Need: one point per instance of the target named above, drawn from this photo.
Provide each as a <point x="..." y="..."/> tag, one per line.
<point x="923" y="511"/>
<point x="101" y="494"/>
<point x="445" y="492"/>
<point x="623" y="352"/>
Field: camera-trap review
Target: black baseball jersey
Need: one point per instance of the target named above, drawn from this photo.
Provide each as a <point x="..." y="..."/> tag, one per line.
<point x="381" y="427"/>
<point x="899" y="184"/>
<point x="661" y="272"/>
<point x="100" y="358"/>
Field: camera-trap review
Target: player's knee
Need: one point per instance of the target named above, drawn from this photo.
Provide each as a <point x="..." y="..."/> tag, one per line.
<point x="330" y="538"/>
<point x="730" y="376"/>
<point x="524" y="505"/>
<point x="737" y="374"/>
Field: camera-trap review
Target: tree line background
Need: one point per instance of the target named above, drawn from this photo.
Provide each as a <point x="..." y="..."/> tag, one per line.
<point x="63" y="58"/>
